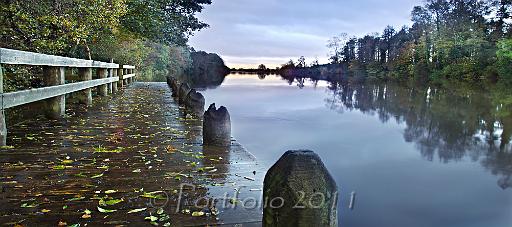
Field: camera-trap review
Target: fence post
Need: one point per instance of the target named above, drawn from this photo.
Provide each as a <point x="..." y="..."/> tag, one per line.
<point x="85" y="96"/>
<point x="102" y="89"/>
<point x="120" y="73"/>
<point x="109" y="85"/>
<point x="56" y="106"/>
<point x="114" y="84"/>
<point x="125" y="81"/>
<point x="130" y="71"/>
<point x="3" y="127"/>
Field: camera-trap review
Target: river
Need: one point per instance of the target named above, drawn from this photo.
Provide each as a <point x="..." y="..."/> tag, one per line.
<point x="414" y="156"/>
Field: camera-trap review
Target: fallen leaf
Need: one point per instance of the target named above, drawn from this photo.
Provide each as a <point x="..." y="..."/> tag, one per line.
<point x="137" y="210"/>
<point x="197" y="214"/>
<point x="102" y="210"/>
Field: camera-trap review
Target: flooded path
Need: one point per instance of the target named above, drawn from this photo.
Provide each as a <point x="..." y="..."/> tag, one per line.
<point x="124" y="161"/>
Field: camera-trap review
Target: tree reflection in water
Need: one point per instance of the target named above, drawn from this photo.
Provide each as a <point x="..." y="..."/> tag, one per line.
<point x="450" y="123"/>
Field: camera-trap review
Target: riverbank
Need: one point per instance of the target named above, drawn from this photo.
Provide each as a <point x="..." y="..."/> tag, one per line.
<point x="131" y="160"/>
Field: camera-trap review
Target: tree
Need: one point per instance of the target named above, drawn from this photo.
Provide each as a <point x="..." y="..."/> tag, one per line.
<point x="504" y="63"/>
<point x="503" y="12"/>
<point x="335" y="44"/>
<point x="262" y="67"/>
<point x="167" y="21"/>
<point x="301" y="63"/>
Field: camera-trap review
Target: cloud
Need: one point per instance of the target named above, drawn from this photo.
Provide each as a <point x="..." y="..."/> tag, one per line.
<point x="271" y="30"/>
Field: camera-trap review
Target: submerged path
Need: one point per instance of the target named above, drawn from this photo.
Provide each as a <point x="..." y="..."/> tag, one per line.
<point x="121" y="163"/>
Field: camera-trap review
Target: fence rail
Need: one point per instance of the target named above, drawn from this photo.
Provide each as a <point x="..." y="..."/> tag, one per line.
<point x="109" y="77"/>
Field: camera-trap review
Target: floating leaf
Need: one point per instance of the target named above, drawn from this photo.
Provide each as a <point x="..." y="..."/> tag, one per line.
<point x="197" y="214"/>
<point x="137" y="210"/>
<point x="67" y="161"/>
<point x="76" y="199"/>
<point x="97" y="176"/>
<point x="59" y="167"/>
<point x="151" y="218"/>
<point x="110" y="191"/>
<point x="136" y="171"/>
<point x="26" y="205"/>
<point x="102" y="210"/>
<point x="113" y="201"/>
<point x="153" y="195"/>
<point x="45" y="210"/>
<point x="87" y="211"/>
<point x="160" y="211"/>
<point x="80" y="175"/>
<point x="101" y="149"/>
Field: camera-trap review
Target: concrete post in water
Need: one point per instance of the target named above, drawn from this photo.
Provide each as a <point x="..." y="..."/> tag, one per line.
<point x="109" y="85"/>
<point x="85" y="96"/>
<point x="114" y="84"/>
<point x="216" y="127"/>
<point x="299" y="191"/>
<point x="183" y="92"/>
<point x="102" y="89"/>
<point x="195" y="103"/>
<point x="56" y="106"/>
<point x="3" y="126"/>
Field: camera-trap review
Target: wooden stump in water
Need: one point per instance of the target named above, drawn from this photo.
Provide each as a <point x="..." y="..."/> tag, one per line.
<point x="169" y="78"/>
<point x="174" y="87"/>
<point x="195" y="103"/>
<point x="183" y="92"/>
<point x="299" y="191"/>
<point x="217" y="126"/>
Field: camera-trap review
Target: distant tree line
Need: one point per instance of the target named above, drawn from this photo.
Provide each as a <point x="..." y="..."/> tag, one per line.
<point x="149" y="34"/>
<point x="468" y="40"/>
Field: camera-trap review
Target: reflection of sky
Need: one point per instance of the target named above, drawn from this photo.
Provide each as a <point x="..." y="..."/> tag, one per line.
<point x="248" y="32"/>
<point x="269" y="80"/>
<point x="395" y="185"/>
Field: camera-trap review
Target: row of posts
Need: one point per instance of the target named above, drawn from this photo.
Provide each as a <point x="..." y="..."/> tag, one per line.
<point x="53" y="76"/>
<point x="56" y="107"/>
<point x="299" y="188"/>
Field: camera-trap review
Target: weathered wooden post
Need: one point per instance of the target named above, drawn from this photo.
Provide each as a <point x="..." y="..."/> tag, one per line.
<point x="3" y="126"/>
<point x="56" y="106"/>
<point x="109" y="85"/>
<point x="174" y="87"/>
<point x="217" y="127"/>
<point x="85" y="96"/>
<point x="195" y="103"/>
<point x="120" y="74"/>
<point x="183" y="92"/>
<point x="299" y="191"/>
<point x="132" y="71"/>
<point x="114" y="84"/>
<point x="125" y="81"/>
<point x="102" y="89"/>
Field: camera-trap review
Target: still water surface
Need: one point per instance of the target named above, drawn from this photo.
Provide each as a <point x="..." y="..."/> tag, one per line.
<point x="415" y="157"/>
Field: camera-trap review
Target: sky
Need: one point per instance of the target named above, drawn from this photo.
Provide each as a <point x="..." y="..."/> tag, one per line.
<point x="246" y="33"/>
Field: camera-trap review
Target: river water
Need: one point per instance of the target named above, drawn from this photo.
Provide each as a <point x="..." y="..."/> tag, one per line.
<point x="414" y="157"/>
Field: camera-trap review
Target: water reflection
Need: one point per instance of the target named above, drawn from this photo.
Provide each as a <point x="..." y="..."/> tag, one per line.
<point x="443" y="123"/>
